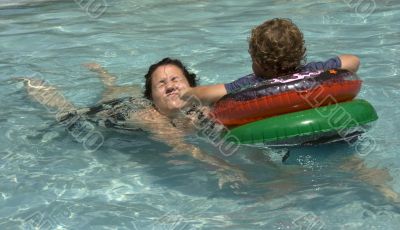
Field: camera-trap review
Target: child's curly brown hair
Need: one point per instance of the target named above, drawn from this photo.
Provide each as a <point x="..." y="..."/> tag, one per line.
<point x="277" y="46"/>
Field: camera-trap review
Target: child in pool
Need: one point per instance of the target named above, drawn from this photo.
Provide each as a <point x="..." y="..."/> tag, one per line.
<point x="276" y="48"/>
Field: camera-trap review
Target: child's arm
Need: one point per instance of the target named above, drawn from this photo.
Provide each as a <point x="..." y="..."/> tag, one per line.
<point x="211" y="93"/>
<point x="207" y="94"/>
<point x="349" y="62"/>
<point x="344" y="61"/>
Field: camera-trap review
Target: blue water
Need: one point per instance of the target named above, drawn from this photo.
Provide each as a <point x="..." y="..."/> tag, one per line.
<point x="49" y="181"/>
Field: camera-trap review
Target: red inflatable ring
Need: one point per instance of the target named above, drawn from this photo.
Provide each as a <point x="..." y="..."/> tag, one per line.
<point x="286" y="94"/>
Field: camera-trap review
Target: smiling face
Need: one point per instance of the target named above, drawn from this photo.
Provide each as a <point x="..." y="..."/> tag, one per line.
<point x="167" y="81"/>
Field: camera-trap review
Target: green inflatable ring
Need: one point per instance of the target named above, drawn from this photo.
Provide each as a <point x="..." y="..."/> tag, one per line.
<point x="322" y="124"/>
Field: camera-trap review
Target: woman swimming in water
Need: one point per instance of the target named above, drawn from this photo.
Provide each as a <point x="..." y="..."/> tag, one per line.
<point x="161" y="112"/>
<point x="158" y="113"/>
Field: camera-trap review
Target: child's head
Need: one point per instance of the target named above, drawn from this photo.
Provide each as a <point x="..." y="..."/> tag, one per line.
<point x="276" y="48"/>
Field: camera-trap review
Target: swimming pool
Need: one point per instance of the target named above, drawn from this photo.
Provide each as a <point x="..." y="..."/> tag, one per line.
<point x="50" y="181"/>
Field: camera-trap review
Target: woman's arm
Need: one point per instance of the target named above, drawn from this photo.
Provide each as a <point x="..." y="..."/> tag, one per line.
<point x="162" y="130"/>
<point x="107" y="79"/>
<point x="226" y="172"/>
<point x="112" y="90"/>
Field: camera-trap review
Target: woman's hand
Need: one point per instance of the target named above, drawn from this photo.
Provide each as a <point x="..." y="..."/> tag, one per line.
<point x="234" y="177"/>
<point x="95" y="67"/>
<point x="107" y="79"/>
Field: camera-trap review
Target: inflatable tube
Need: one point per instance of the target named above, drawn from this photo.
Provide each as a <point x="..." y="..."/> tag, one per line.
<point x="286" y="94"/>
<point x="319" y="125"/>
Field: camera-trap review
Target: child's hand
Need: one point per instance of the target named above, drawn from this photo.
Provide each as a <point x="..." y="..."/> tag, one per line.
<point x="185" y="93"/>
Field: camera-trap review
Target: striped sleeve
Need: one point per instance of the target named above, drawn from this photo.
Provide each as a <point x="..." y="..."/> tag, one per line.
<point x="333" y="63"/>
<point x="241" y="83"/>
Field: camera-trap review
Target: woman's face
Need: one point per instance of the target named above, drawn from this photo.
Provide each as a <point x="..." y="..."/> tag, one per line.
<point x="167" y="82"/>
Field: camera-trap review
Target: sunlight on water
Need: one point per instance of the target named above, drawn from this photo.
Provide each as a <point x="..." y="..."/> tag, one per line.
<point x="49" y="180"/>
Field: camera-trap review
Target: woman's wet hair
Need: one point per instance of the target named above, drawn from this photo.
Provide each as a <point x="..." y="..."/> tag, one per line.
<point x="190" y="77"/>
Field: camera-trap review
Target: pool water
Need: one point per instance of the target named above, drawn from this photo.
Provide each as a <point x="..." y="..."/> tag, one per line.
<point x="50" y="180"/>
